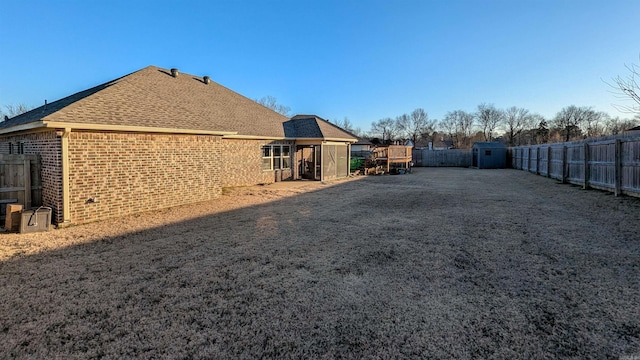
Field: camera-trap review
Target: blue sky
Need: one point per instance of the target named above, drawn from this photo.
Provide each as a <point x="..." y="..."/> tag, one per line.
<point x="364" y="60"/>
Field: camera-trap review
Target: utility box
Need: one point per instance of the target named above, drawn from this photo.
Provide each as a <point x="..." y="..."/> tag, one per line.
<point x="35" y="220"/>
<point x="12" y="220"/>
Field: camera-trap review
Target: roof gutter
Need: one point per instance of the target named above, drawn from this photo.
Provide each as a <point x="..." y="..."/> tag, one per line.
<point x="124" y="128"/>
<point x="22" y="127"/>
<point x="257" y="137"/>
<point x="351" y="140"/>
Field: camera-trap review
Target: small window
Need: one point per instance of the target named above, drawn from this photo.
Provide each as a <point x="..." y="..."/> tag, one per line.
<point x="266" y="158"/>
<point x="286" y="157"/>
<point x="277" y="151"/>
<point x="487" y="152"/>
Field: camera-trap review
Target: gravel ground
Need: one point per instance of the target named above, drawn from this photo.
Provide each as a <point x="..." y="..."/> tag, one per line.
<point x="441" y="263"/>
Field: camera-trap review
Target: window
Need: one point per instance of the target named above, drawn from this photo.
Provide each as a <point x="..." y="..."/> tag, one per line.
<point x="487" y="152"/>
<point x="286" y="158"/>
<point x="18" y="148"/>
<point x="276" y="157"/>
<point x="266" y="158"/>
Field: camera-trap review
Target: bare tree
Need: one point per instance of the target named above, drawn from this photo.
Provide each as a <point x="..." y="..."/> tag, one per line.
<point x="462" y="124"/>
<point x="345" y="124"/>
<point x="628" y="88"/>
<point x="593" y="123"/>
<point x="14" y="110"/>
<point x="448" y="127"/>
<point x="615" y="126"/>
<point x="272" y="103"/>
<point x="401" y="123"/>
<point x="416" y="125"/>
<point x="570" y="120"/>
<point x="516" y="121"/>
<point x="489" y="118"/>
<point x="384" y="127"/>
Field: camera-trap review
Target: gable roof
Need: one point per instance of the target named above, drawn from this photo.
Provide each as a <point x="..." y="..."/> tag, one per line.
<point x="151" y="98"/>
<point x="312" y="126"/>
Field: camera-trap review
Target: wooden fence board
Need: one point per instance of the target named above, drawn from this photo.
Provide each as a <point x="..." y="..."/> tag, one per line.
<point x="611" y="164"/>
<point x="20" y="180"/>
<point x="437" y="158"/>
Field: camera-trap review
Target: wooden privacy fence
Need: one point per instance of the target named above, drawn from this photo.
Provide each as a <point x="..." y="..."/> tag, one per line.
<point x="434" y="158"/>
<point x="19" y="181"/>
<point x="611" y="164"/>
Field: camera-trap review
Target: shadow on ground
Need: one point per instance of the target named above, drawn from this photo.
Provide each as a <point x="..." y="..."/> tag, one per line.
<point x="442" y="263"/>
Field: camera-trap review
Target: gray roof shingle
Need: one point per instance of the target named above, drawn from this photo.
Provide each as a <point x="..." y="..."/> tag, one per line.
<point x="312" y="126"/>
<point x="151" y="97"/>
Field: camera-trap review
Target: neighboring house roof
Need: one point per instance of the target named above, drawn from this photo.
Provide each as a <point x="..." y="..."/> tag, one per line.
<point x="153" y="98"/>
<point x="362" y="141"/>
<point x="637" y="128"/>
<point x="489" y="145"/>
<point x="312" y="126"/>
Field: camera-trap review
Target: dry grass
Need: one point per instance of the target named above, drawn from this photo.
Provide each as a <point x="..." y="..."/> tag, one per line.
<point x="441" y="263"/>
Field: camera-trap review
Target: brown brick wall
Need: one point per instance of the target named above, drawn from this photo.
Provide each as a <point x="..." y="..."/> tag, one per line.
<point x="242" y="163"/>
<point x="127" y="173"/>
<point x="49" y="147"/>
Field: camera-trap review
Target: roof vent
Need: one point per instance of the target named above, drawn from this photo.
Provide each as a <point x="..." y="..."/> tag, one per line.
<point x="174" y="72"/>
<point x="206" y="80"/>
<point x="6" y="118"/>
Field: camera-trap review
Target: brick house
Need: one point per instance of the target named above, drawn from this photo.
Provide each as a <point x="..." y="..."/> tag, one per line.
<point x="158" y="138"/>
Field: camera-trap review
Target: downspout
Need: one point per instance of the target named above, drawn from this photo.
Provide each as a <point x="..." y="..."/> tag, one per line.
<point x="66" y="216"/>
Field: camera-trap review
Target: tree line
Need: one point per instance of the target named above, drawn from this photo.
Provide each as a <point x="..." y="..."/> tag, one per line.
<point x="514" y="126"/>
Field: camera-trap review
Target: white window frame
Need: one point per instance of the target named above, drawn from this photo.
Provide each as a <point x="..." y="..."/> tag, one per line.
<point x="276" y="162"/>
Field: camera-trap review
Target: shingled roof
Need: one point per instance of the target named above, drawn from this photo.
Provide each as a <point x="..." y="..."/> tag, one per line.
<point x="312" y="126"/>
<point x="153" y="98"/>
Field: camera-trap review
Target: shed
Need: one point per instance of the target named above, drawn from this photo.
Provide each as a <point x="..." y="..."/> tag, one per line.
<point x="489" y="155"/>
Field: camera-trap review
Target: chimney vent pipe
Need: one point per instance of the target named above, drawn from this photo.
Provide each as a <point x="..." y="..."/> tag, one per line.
<point x="206" y="80"/>
<point x="174" y="72"/>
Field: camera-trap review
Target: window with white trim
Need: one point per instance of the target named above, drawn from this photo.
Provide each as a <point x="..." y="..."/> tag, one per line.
<point x="276" y="157"/>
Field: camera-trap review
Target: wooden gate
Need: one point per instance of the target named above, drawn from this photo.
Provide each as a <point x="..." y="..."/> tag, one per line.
<point x="19" y="181"/>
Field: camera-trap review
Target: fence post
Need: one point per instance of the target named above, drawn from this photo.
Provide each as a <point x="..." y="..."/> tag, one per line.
<point x="564" y="164"/>
<point x="538" y="160"/>
<point x="618" y="167"/>
<point x="548" y="161"/>
<point x="27" y="183"/>
<point x="586" y="171"/>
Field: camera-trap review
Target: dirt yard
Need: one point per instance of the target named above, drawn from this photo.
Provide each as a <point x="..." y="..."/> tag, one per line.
<point x="441" y="263"/>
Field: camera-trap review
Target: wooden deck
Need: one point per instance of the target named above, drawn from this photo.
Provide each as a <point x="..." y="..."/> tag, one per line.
<point x="386" y="156"/>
